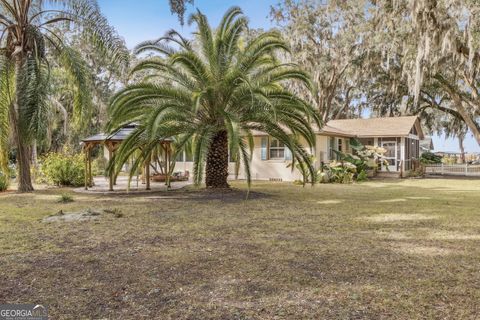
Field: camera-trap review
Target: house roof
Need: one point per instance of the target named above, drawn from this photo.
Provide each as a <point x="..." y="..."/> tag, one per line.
<point x="367" y="128"/>
<point x="374" y="127"/>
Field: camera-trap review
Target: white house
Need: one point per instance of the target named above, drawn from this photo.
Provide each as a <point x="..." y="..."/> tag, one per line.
<point x="400" y="136"/>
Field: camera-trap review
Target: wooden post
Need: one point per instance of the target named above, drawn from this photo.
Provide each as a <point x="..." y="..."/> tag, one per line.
<point x="90" y="178"/>
<point x="147" y="173"/>
<point x="114" y="149"/>
<point x="110" y="156"/>
<point x="86" y="166"/>
<point x="168" y="165"/>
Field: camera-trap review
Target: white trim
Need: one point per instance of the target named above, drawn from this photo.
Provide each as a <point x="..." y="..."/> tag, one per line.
<point x="414" y="137"/>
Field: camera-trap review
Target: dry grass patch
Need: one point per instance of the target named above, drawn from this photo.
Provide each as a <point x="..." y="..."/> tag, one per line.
<point x="398" y="217"/>
<point x="415" y="249"/>
<point x="327" y="252"/>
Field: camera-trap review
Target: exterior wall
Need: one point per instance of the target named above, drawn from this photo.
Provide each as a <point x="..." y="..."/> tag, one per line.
<point x="276" y="169"/>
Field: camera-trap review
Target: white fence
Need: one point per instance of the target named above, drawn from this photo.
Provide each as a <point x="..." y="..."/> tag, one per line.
<point x="453" y="170"/>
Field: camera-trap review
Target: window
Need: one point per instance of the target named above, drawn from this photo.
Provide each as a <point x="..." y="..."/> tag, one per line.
<point x="277" y="149"/>
<point x="340" y="145"/>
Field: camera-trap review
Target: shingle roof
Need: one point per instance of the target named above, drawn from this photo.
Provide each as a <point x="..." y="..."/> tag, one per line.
<point x="373" y="127"/>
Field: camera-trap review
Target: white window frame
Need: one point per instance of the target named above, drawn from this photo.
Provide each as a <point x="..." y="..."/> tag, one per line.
<point x="270" y="148"/>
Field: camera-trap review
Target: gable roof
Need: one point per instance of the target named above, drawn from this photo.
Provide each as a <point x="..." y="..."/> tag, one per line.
<point x="373" y="127"/>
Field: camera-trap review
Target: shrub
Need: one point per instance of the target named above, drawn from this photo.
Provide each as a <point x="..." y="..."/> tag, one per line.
<point x="415" y="173"/>
<point x="100" y="164"/>
<point x="4" y="182"/>
<point x="65" y="198"/>
<point x="63" y="169"/>
<point x="429" y="158"/>
<point x="340" y="172"/>
<point x="362" y="176"/>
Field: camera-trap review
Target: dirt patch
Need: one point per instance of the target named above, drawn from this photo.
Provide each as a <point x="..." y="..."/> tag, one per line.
<point x="394" y="235"/>
<point x="392" y="200"/>
<point x="428" y="251"/>
<point x="330" y="202"/>
<point x="419" y="198"/>
<point x="394" y="217"/>
<point x="85" y="215"/>
<point x="452" y="235"/>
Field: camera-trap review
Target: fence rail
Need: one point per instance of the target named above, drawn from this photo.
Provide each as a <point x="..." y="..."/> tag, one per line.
<point x="453" y="170"/>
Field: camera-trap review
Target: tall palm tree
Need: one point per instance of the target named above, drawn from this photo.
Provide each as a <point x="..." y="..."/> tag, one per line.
<point x="27" y="43"/>
<point x="213" y="92"/>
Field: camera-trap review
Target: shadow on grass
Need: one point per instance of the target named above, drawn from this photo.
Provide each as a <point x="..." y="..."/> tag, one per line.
<point x="232" y="195"/>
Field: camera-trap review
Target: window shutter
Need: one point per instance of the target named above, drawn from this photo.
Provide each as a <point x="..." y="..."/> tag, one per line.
<point x="288" y="154"/>
<point x="264" y="150"/>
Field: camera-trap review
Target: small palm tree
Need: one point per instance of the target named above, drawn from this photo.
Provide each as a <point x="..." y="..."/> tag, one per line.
<point x="213" y="93"/>
<point x="28" y="41"/>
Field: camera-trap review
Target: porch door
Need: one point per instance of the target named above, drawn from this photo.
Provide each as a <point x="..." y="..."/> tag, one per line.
<point x="390" y="155"/>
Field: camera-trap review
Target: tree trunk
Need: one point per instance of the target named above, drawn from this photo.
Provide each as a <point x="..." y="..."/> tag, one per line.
<point x="458" y="103"/>
<point x="217" y="162"/>
<point x="23" y="156"/>
<point x="471" y="124"/>
<point x="462" y="148"/>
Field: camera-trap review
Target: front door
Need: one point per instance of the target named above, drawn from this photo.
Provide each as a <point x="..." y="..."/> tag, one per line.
<point x="390" y="155"/>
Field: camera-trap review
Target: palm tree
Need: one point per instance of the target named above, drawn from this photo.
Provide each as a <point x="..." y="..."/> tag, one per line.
<point x="213" y="92"/>
<point x="27" y="43"/>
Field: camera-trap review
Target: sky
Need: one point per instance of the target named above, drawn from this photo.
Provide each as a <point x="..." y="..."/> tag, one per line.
<point x="141" y="20"/>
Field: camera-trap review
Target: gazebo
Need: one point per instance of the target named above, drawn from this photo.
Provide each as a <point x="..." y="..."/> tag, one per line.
<point x="112" y="142"/>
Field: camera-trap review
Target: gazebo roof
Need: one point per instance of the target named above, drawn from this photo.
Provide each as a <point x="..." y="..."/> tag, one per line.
<point x="118" y="136"/>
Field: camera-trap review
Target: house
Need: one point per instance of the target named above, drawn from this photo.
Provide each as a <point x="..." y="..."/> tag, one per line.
<point x="400" y="136"/>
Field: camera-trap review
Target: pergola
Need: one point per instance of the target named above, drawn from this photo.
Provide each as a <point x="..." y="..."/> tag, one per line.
<point x="112" y="142"/>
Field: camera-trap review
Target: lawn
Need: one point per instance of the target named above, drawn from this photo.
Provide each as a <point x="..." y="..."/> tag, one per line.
<point x="405" y="249"/>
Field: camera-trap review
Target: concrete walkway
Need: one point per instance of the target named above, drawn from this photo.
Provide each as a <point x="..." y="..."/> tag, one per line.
<point x="136" y="186"/>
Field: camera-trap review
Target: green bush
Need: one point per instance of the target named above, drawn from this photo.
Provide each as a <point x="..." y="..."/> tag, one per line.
<point x="65" y="198"/>
<point x="100" y="164"/>
<point x="340" y="172"/>
<point x="4" y="182"/>
<point x="429" y="158"/>
<point x="63" y="169"/>
<point x="362" y="176"/>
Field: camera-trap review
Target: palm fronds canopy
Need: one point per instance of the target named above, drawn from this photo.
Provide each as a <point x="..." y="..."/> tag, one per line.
<point x="211" y="92"/>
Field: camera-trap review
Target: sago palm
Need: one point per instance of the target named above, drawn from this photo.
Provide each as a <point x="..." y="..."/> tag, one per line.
<point x="213" y="92"/>
<point x="28" y="41"/>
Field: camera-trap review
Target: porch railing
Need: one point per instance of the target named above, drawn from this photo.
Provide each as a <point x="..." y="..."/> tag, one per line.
<point x="453" y="169"/>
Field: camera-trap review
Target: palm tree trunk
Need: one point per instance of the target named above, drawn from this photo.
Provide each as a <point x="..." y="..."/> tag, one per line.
<point x="23" y="156"/>
<point x="217" y="162"/>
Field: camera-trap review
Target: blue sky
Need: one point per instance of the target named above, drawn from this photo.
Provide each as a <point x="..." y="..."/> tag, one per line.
<point x="141" y="20"/>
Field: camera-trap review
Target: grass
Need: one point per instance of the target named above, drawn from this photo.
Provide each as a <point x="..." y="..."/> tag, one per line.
<point x="65" y="198"/>
<point x="377" y="250"/>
